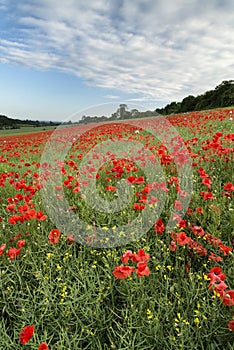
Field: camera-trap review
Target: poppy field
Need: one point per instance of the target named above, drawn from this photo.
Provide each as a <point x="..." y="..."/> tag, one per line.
<point x="126" y="242"/>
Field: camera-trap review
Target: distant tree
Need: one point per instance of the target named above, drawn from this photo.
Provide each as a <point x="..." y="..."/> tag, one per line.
<point x="173" y="108"/>
<point x="103" y="118"/>
<point x="227" y="98"/>
<point x="114" y="116"/>
<point x="188" y="104"/>
<point x="122" y="110"/>
<point x="200" y="105"/>
<point x="134" y="112"/>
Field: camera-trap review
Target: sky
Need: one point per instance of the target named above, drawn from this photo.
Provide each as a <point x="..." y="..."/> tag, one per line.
<point x="62" y="57"/>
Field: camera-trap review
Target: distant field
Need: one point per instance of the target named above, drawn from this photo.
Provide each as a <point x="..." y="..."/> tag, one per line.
<point x="26" y="130"/>
<point x="31" y="129"/>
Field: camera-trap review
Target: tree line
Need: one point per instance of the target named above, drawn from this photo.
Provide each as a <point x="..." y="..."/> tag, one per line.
<point x="11" y="123"/>
<point x="122" y="113"/>
<point x="221" y="96"/>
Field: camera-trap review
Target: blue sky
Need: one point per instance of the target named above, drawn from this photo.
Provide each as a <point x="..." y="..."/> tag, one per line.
<point x="61" y="57"/>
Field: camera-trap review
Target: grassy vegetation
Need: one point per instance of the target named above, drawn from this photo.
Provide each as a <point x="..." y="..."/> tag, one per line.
<point x="67" y="289"/>
<point x="25" y="130"/>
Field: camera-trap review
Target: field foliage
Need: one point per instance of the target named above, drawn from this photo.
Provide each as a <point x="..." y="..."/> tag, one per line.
<point x="83" y="289"/>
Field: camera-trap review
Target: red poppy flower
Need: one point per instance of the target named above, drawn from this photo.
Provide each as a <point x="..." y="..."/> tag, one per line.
<point x="21" y="243"/>
<point x="183" y="224"/>
<point x="206" y="195"/>
<point x="139" y="180"/>
<point x="11" y="208"/>
<point x="214" y="257"/>
<point x="43" y="346"/>
<point x="2" y="248"/>
<point x="26" y="334"/>
<point x="147" y="189"/>
<point x="225" y="249"/>
<point x="189" y="211"/>
<point x="229" y="187"/>
<point x="218" y="286"/>
<point x="141" y="256"/>
<point x="216" y="242"/>
<point x="216" y="272"/>
<point x="197" y="230"/>
<point x="76" y="189"/>
<point x="13" y="253"/>
<point x="70" y="238"/>
<point x="198" y="247"/>
<point x="173" y="246"/>
<point x="199" y="210"/>
<point x="41" y="216"/>
<point x="228" y="297"/>
<point x="182" y="193"/>
<point x="177" y="218"/>
<point x="122" y="271"/>
<point x="138" y="206"/>
<point x="31" y="214"/>
<point x="202" y="173"/>
<point x="130" y="179"/>
<point x="207" y="182"/>
<point x="15" y="218"/>
<point x="19" y="197"/>
<point x="126" y="256"/>
<point x="142" y="269"/>
<point x="182" y="239"/>
<point x="54" y="236"/>
<point x="231" y="325"/>
<point x="110" y="188"/>
<point x="159" y="227"/>
<point x="178" y="205"/>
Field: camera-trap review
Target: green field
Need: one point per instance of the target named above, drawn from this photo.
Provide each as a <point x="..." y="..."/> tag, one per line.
<point x="25" y="130"/>
<point x="72" y="287"/>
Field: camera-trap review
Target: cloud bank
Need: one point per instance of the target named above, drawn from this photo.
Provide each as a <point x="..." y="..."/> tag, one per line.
<point x="155" y="50"/>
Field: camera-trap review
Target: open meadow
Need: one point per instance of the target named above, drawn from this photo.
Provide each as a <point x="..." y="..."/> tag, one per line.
<point x="77" y="274"/>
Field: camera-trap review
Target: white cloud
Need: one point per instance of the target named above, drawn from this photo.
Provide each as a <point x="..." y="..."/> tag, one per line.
<point x="158" y="50"/>
<point x="112" y="97"/>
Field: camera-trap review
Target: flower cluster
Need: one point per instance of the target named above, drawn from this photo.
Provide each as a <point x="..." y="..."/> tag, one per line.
<point x="217" y="284"/>
<point x="183" y="239"/>
<point x="142" y="269"/>
<point x="13" y="252"/>
<point x="27" y="333"/>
